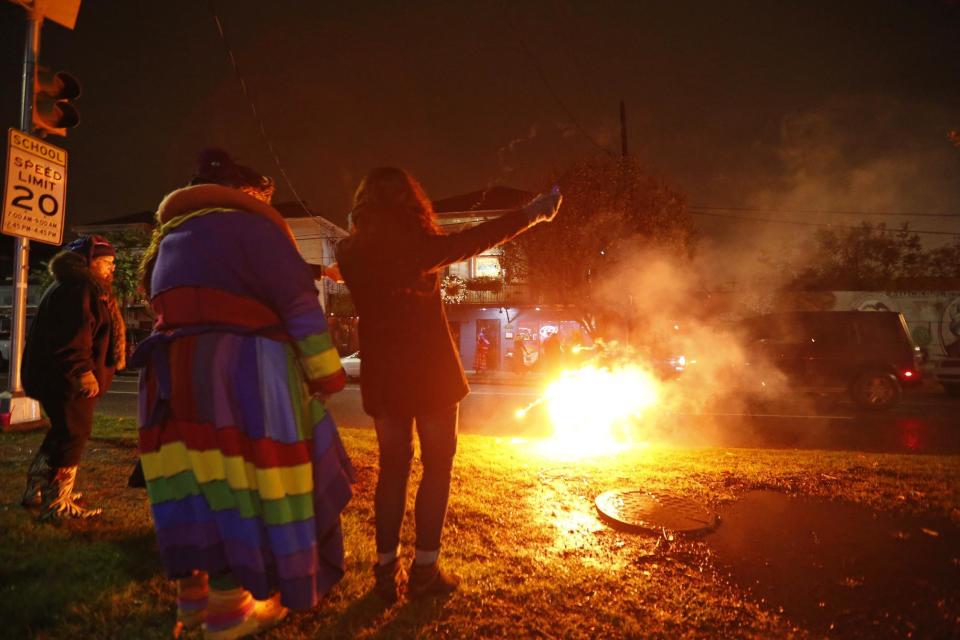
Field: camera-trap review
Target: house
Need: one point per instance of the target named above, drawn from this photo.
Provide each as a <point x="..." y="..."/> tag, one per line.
<point x="479" y="298"/>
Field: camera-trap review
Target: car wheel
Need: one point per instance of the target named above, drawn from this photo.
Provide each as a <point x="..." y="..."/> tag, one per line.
<point x="953" y="390"/>
<point x="875" y="390"/>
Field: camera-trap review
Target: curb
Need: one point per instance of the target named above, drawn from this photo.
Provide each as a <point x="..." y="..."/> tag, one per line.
<point x="505" y="379"/>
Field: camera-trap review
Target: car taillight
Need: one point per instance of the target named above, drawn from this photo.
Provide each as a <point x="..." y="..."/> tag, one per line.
<point x="910" y="374"/>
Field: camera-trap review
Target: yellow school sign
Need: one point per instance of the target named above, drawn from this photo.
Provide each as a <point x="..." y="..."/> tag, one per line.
<point x="35" y="193"/>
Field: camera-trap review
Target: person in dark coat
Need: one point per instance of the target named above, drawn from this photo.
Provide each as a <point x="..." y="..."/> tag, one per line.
<point x="552" y="354"/>
<point x="411" y="371"/>
<point x="76" y="342"/>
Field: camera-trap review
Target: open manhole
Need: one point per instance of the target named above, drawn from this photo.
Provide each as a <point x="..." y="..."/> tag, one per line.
<point x="641" y="511"/>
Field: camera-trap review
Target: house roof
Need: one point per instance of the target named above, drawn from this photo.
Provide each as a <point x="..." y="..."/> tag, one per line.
<point x="290" y="210"/>
<point x="294" y="209"/>
<point x="496" y="198"/>
<point x="140" y="217"/>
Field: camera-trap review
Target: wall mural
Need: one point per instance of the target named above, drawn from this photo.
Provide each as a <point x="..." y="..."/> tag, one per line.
<point x="950" y="329"/>
<point x="933" y="317"/>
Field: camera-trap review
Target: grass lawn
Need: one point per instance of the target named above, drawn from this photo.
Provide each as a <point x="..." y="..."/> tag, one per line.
<point x="522" y="531"/>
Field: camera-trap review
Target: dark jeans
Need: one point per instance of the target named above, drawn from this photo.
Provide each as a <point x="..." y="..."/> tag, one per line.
<point x="71" y="420"/>
<point x="438" y="443"/>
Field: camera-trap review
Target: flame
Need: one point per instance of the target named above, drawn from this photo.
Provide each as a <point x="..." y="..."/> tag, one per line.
<point x="594" y="410"/>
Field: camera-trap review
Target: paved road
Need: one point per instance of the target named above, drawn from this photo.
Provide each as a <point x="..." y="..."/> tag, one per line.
<point x="926" y="421"/>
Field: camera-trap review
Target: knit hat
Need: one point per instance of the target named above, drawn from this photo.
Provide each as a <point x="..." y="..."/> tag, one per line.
<point x="215" y="166"/>
<point x="91" y="247"/>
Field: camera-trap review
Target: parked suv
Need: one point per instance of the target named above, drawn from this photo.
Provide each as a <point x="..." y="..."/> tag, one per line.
<point x="867" y="354"/>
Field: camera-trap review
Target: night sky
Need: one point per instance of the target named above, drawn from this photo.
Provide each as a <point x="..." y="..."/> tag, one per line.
<point x="765" y="105"/>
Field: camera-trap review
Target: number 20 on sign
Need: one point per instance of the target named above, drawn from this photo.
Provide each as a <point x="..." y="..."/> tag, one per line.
<point x="34" y="195"/>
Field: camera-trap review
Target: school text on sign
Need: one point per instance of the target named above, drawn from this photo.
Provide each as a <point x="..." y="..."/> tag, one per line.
<point x="34" y="196"/>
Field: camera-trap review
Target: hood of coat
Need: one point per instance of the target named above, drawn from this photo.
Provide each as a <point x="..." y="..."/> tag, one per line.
<point x="69" y="266"/>
<point x="214" y="196"/>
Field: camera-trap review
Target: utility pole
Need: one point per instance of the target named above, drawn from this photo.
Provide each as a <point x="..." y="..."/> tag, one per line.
<point x="624" y="151"/>
<point x="623" y="130"/>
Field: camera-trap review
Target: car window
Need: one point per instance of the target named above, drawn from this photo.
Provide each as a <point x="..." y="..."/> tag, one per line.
<point x="785" y="329"/>
<point x="829" y="331"/>
<point x="758" y="328"/>
<point x="882" y="329"/>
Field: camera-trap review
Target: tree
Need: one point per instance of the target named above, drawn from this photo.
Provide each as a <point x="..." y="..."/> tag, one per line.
<point x="944" y="261"/>
<point x="130" y="245"/>
<point x="869" y="257"/>
<point x="611" y="209"/>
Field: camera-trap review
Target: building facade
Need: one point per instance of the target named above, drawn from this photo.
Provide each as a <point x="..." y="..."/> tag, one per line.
<point x="513" y="320"/>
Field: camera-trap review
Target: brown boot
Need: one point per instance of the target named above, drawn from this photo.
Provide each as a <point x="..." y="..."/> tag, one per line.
<point x="430" y="580"/>
<point x="391" y="580"/>
<point x="58" y="498"/>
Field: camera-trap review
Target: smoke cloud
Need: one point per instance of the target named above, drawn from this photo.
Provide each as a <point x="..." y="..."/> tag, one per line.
<point x="670" y="309"/>
<point x="864" y="153"/>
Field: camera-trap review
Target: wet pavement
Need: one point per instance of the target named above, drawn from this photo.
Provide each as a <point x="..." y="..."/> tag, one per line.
<point x="840" y="569"/>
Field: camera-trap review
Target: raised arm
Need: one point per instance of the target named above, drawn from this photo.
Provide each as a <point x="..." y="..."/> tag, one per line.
<point x="437" y="252"/>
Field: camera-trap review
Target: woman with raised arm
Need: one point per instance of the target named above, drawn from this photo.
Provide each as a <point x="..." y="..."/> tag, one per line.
<point x="411" y="372"/>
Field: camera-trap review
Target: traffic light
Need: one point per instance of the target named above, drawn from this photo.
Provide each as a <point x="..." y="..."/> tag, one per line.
<point x="52" y="109"/>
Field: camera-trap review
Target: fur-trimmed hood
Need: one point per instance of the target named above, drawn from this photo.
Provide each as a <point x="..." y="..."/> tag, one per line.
<point x="69" y="266"/>
<point x="178" y="207"/>
<point x="214" y="196"/>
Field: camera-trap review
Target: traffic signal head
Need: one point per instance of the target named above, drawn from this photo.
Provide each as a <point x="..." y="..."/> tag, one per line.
<point x="52" y="109"/>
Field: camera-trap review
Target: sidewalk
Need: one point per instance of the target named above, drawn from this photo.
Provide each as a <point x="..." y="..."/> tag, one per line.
<point x="487" y="377"/>
<point x="508" y="378"/>
<point x="504" y="378"/>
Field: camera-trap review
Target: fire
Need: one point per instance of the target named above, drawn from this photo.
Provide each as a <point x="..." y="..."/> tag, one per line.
<point x="594" y="410"/>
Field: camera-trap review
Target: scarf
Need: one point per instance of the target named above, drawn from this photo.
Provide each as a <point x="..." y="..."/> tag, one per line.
<point x="190" y="202"/>
<point x="118" y="331"/>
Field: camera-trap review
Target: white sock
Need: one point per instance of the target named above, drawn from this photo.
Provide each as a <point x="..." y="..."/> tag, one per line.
<point x="426" y="557"/>
<point x="387" y="558"/>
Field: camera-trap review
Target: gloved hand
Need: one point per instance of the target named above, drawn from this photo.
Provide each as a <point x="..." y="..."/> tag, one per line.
<point x="544" y="207"/>
<point x="87" y="385"/>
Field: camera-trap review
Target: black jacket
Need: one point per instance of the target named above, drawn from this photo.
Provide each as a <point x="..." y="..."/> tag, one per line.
<point x="410" y="363"/>
<point x="71" y="333"/>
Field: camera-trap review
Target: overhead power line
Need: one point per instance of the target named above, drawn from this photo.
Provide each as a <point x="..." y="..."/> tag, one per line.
<point x="253" y="108"/>
<point x="829" y="212"/>
<point x="546" y="83"/>
<point x="808" y="223"/>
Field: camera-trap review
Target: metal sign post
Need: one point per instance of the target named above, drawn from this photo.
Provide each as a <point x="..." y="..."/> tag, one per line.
<point x="21" y="411"/>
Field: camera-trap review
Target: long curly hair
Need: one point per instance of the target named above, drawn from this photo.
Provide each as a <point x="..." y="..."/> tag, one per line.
<point x="389" y="202"/>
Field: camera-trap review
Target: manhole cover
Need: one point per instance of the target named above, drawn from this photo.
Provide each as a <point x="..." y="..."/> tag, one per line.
<point x="642" y="511"/>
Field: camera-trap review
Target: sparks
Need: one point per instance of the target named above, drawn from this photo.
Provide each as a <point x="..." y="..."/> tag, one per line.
<point x="522" y="412"/>
<point x="594" y="410"/>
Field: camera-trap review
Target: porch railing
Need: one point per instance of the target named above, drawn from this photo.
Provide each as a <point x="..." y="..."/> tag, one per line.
<point x="510" y="295"/>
